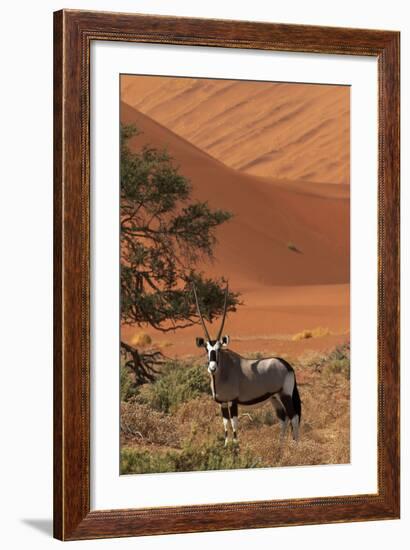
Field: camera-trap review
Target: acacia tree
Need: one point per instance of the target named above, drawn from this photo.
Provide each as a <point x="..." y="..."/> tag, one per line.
<point x="164" y="233"/>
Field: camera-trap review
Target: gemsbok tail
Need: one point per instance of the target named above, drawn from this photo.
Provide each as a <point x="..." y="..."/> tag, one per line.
<point x="297" y="403"/>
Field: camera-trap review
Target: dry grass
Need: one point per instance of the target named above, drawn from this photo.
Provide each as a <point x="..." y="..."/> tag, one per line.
<point x="313" y="333"/>
<point x="141" y="340"/>
<point x="191" y="437"/>
<point x="142" y="425"/>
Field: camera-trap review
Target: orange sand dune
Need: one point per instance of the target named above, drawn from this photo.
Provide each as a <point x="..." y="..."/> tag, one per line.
<point x="288" y="131"/>
<point x="279" y="235"/>
<point x="286" y="250"/>
<point x="319" y="189"/>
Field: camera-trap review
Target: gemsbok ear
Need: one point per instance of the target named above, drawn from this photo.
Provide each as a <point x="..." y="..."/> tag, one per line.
<point x="200" y="342"/>
<point x="225" y="340"/>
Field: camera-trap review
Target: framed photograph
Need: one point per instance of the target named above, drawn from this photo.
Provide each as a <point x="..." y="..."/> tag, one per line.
<point x="226" y="275"/>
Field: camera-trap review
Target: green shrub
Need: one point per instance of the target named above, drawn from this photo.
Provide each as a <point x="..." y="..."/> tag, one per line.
<point x="127" y="386"/>
<point x="335" y="362"/>
<point x="210" y="456"/>
<point x="144" y="462"/>
<point x="179" y="382"/>
<point x="214" y="456"/>
<point x="339" y="366"/>
<point x="339" y="361"/>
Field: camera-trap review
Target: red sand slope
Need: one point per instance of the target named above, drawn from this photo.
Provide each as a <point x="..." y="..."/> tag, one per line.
<point x="263" y="128"/>
<point x="270" y="218"/>
<point x="283" y="291"/>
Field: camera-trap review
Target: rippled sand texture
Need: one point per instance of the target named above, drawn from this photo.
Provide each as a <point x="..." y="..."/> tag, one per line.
<point x="268" y="129"/>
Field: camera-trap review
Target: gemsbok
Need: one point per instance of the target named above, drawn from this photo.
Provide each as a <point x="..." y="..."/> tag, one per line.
<point x="249" y="382"/>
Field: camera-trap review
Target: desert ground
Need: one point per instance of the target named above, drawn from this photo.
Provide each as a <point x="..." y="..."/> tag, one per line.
<point x="276" y="155"/>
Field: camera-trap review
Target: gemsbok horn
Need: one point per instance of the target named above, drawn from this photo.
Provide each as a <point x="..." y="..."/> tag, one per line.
<point x="249" y="382"/>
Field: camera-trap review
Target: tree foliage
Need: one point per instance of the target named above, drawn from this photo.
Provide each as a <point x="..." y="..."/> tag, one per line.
<point x="164" y="234"/>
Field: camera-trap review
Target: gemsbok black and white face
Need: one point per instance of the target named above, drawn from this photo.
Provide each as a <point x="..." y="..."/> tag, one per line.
<point x="212" y="348"/>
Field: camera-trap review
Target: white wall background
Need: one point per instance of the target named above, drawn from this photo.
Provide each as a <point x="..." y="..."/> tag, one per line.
<point x="26" y="268"/>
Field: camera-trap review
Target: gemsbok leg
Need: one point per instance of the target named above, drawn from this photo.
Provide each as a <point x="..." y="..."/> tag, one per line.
<point x="225" y="418"/>
<point x="233" y="411"/>
<point x="288" y="404"/>
<point x="281" y="414"/>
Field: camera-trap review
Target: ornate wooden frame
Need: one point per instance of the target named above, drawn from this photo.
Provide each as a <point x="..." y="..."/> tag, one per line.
<point x="73" y="33"/>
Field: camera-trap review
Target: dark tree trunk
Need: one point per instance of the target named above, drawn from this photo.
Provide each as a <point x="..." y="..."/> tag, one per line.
<point x="143" y="365"/>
